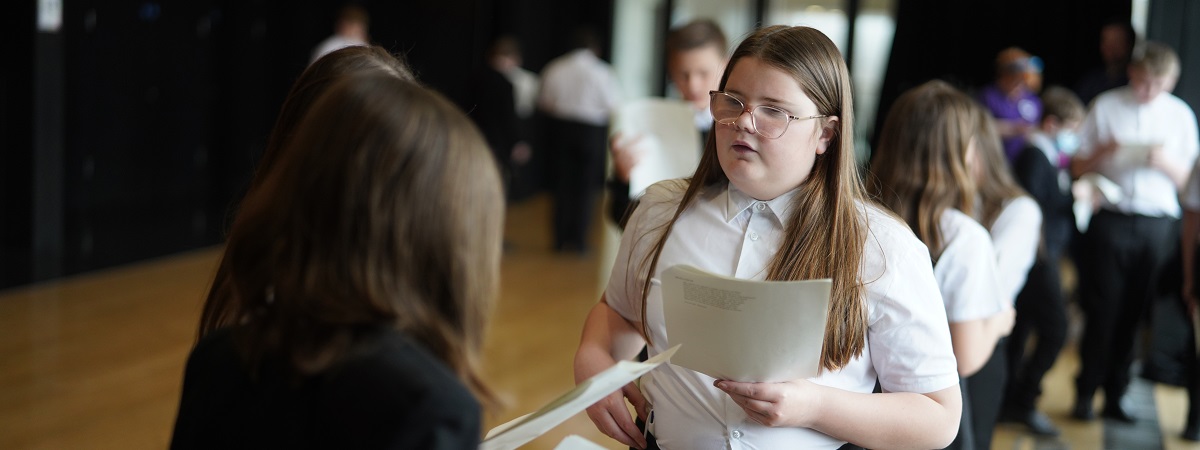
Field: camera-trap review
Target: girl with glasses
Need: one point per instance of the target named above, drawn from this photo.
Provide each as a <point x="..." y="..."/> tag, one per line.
<point x="777" y="196"/>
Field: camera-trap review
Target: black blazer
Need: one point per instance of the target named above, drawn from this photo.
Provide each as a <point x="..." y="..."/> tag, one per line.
<point x="388" y="394"/>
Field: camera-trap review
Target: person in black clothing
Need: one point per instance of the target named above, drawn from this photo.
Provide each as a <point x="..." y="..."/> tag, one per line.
<point x="361" y="270"/>
<point x="1117" y="40"/>
<point x="1041" y="169"/>
<point x="495" y="108"/>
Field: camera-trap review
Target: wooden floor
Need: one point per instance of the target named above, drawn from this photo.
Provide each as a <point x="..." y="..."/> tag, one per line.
<point x="96" y="361"/>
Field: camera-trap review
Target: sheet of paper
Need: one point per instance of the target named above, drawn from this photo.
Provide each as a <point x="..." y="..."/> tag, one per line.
<point x="669" y="145"/>
<point x="576" y="442"/>
<point x="519" y="431"/>
<point x="745" y="330"/>
<point x="1133" y="154"/>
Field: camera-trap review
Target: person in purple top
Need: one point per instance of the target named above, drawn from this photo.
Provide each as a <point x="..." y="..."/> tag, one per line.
<point x="1013" y="98"/>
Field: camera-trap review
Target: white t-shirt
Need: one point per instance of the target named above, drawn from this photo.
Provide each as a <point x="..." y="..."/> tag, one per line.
<point x="579" y="86"/>
<point x="1015" y="236"/>
<point x="1167" y="121"/>
<point x="966" y="270"/>
<point x="727" y="232"/>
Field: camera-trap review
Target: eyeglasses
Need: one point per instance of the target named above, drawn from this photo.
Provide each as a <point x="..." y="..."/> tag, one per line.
<point x="768" y="121"/>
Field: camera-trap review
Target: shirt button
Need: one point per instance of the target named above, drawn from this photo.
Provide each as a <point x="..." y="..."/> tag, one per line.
<point x="761" y="206"/>
<point x="737" y="434"/>
<point x="753" y="236"/>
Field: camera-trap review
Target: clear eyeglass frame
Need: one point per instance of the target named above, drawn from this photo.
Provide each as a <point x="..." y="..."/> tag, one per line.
<point x="775" y="120"/>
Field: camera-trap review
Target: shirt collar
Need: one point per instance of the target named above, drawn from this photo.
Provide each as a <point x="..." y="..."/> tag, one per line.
<point x="736" y="202"/>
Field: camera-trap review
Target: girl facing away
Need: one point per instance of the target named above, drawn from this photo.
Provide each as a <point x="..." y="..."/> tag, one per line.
<point x="362" y="270"/>
<point x="922" y="171"/>
<point x="316" y="79"/>
<point x="777" y="196"/>
<point x="1014" y="221"/>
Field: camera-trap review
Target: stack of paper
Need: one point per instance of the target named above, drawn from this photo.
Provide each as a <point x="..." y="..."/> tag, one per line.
<point x="744" y="330"/>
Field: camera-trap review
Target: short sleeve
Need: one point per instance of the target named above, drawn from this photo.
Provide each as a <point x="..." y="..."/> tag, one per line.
<point x="624" y="290"/>
<point x="966" y="270"/>
<point x="908" y="335"/>
<point x="1015" y="236"/>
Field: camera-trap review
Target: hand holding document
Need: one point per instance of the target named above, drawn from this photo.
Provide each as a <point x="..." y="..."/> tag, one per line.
<point x="668" y="145"/>
<point x="521" y="430"/>
<point x="1133" y="154"/>
<point x="743" y="330"/>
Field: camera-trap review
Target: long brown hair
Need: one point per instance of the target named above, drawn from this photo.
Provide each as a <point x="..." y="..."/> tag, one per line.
<point x="919" y="168"/>
<point x="995" y="184"/>
<point x="314" y="81"/>
<point x="383" y="212"/>
<point x="828" y="218"/>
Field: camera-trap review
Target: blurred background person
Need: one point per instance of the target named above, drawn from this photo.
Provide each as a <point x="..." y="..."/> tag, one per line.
<point x="696" y="57"/>
<point x="1012" y="97"/>
<point x="1117" y="41"/>
<point x="498" y="110"/>
<point x="1144" y="139"/>
<point x="921" y="171"/>
<point x="1041" y="169"/>
<point x="349" y="29"/>
<point x="1014" y="222"/>
<point x="365" y="265"/>
<point x="578" y="94"/>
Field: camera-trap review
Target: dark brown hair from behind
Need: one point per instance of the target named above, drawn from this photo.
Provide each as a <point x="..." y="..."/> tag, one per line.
<point x="314" y="81"/>
<point x="384" y="211"/>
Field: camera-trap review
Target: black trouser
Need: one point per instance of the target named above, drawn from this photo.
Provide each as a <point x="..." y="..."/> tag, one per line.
<point x="986" y="390"/>
<point x="1124" y="256"/>
<point x="577" y="152"/>
<point x="1041" y="311"/>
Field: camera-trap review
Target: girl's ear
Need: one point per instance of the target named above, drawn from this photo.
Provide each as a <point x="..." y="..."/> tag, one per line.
<point x="829" y="130"/>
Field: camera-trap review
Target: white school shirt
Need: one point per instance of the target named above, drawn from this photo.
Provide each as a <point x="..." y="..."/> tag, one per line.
<point x="580" y="87"/>
<point x="727" y="232"/>
<point x="966" y="270"/>
<point x="1015" y="236"/>
<point x="1116" y="115"/>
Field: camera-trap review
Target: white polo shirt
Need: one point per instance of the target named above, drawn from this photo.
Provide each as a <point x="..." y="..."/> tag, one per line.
<point x="727" y="232"/>
<point x="1167" y="120"/>
<point x="579" y="86"/>
<point x="966" y="270"/>
<point x="1015" y="236"/>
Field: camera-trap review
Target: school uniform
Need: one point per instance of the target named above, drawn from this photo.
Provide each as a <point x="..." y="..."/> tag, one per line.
<point x="727" y="232"/>
<point x="1128" y="243"/>
<point x="1041" y="308"/>
<point x="1015" y="236"/>
<point x="579" y="92"/>
<point x="966" y="277"/>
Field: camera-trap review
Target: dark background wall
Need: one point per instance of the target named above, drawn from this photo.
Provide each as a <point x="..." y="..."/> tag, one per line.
<point x="958" y="41"/>
<point x="127" y="133"/>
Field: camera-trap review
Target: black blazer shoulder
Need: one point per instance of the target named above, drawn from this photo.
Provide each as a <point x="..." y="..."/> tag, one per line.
<point x="390" y="393"/>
